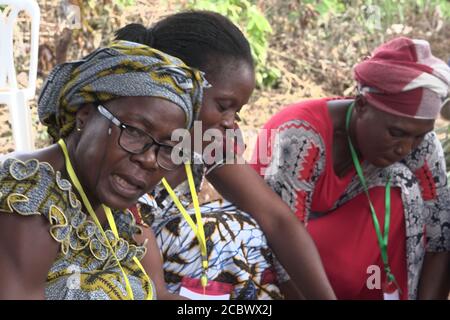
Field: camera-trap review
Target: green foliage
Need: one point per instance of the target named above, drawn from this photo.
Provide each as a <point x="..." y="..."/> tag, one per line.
<point x="392" y="11"/>
<point x="125" y="3"/>
<point x="396" y="11"/>
<point x="256" y="28"/>
<point x="324" y="7"/>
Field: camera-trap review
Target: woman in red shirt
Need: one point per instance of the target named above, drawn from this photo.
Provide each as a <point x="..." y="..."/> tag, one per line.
<point x="384" y="229"/>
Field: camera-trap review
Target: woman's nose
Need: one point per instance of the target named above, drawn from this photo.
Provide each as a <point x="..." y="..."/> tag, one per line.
<point x="148" y="160"/>
<point x="228" y="120"/>
<point x="404" y="147"/>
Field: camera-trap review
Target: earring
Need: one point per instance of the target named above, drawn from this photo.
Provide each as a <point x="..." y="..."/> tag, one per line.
<point x="79" y="129"/>
<point x="109" y="131"/>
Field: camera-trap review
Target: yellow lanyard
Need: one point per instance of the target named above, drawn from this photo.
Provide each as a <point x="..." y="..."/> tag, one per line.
<point x="198" y="229"/>
<point x="111" y="222"/>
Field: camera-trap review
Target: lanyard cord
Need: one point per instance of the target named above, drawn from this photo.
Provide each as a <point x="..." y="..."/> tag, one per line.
<point x="198" y="229"/>
<point x="112" y="225"/>
<point x="382" y="239"/>
<point x="111" y="222"/>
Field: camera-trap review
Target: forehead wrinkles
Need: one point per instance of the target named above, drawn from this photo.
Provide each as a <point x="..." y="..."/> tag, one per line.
<point x="153" y="115"/>
<point x="409" y="125"/>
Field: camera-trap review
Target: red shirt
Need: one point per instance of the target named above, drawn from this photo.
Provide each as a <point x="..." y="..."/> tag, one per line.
<point x="345" y="237"/>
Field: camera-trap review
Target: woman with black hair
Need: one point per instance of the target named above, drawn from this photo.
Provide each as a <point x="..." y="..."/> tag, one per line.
<point x="237" y="250"/>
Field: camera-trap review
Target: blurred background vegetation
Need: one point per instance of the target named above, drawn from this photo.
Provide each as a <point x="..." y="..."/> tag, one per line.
<point x="302" y="48"/>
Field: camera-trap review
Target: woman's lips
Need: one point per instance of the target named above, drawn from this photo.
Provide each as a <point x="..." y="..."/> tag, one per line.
<point x="126" y="186"/>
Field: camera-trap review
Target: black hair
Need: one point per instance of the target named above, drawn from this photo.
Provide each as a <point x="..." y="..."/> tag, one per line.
<point x="199" y="38"/>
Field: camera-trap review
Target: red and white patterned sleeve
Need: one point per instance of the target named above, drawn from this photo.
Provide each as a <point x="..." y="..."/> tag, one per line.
<point x="291" y="158"/>
<point x="428" y="164"/>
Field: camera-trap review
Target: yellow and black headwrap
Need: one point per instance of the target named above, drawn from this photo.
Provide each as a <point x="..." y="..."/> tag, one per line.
<point x="122" y="69"/>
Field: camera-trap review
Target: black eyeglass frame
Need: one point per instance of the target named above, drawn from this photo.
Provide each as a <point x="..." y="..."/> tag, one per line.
<point x="162" y="162"/>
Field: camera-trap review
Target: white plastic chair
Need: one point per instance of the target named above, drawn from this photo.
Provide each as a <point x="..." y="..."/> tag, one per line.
<point x="10" y="94"/>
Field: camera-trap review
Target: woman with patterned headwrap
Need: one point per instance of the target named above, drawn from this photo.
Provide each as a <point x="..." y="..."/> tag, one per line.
<point x="368" y="176"/>
<point x="64" y="230"/>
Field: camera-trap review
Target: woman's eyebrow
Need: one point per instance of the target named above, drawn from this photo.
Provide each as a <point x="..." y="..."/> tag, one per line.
<point x="408" y="132"/>
<point x="227" y="95"/>
<point x="148" y="124"/>
<point x="400" y="129"/>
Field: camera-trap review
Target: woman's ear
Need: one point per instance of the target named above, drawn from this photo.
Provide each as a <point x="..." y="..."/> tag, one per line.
<point x="83" y="115"/>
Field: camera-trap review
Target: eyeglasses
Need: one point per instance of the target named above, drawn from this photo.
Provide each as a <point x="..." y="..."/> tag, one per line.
<point x="136" y="141"/>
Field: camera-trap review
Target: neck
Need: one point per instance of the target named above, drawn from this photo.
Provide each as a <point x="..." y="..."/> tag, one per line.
<point x="342" y="159"/>
<point x="351" y="133"/>
<point x="94" y="202"/>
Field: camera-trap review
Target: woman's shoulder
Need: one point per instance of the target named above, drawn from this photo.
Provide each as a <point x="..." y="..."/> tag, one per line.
<point x="308" y="116"/>
<point x="30" y="187"/>
<point x="25" y="187"/>
<point x="30" y="183"/>
<point x="33" y="188"/>
<point x="309" y="111"/>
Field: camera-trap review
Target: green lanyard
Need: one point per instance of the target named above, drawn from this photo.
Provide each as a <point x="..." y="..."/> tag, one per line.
<point x="198" y="229"/>
<point x="111" y="222"/>
<point x="382" y="239"/>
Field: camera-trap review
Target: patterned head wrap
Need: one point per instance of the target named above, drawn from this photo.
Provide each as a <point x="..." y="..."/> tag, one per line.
<point x="122" y="69"/>
<point x="402" y="77"/>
